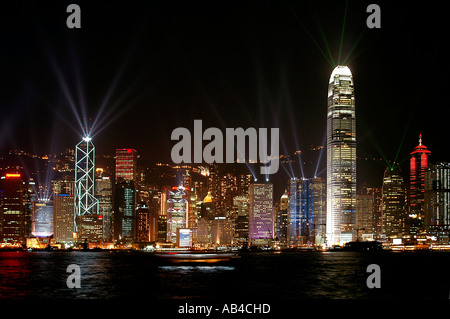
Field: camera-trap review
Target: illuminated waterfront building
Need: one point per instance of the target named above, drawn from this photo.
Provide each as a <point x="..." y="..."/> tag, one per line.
<point x="418" y="164"/>
<point x="85" y="203"/>
<point x="341" y="157"/>
<point x="307" y="211"/>
<point x="176" y="212"/>
<point x="104" y="195"/>
<point x="11" y="210"/>
<point x="222" y="230"/>
<point x="241" y="205"/>
<point x="261" y="212"/>
<point x="437" y="202"/>
<point x="63" y="210"/>
<point x="320" y="210"/>
<point x="142" y="223"/>
<point x="293" y="231"/>
<point x="281" y="219"/>
<point x="393" y="201"/>
<point x="124" y="227"/>
<point x="42" y="218"/>
<point x="126" y="165"/>
<point x="364" y="216"/>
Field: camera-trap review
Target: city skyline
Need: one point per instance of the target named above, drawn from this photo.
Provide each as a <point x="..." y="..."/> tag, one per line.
<point x="192" y="155"/>
<point x="196" y="81"/>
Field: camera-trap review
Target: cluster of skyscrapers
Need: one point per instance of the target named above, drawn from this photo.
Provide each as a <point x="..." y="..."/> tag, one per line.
<point x="206" y="206"/>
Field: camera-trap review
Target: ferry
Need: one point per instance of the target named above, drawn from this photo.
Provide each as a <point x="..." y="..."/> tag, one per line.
<point x="196" y="257"/>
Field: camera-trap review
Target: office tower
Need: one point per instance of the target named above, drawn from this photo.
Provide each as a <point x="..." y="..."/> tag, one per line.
<point x="319" y="192"/>
<point x="104" y="195"/>
<point x="376" y="193"/>
<point x="293" y="232"/>
<point x="85" y="203"/>
<point x="393" y="201"/>
<point x="341" y="157"/>
<point x="42" y="218"/>
<point x="307" y="211"/>
<point x="261" y="213"/>
<point x="11" y="210"/>
<point x="177" y="212"/>
<point x="281" y="219"/>
<point x="63" y="211"/>
<point x="63" y="186"/>
<point x="142" y="223"/>
<point x="437" y="202"/>
<point x="124" y="229"/>
<point x="222" y="231"/>
<point x="126" y="165"/>
<point x="241" y="222"/>
<point x="418" y="164"/>
<point x="207" y="209"/>
<point x="364" y="217"/>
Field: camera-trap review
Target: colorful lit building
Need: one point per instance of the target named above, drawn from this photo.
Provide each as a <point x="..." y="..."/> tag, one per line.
<point x="126" y="164"/>
<point x="42" y="218"/>
<point x="418" y="164"/>
<point x="261" y="224"/>
<point x="11" y="210"/>
<point x="176" y="212"/>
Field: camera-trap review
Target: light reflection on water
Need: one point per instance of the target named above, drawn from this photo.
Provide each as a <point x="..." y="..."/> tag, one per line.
<point x="197" y="268"/>
<point x="331" y="275"/>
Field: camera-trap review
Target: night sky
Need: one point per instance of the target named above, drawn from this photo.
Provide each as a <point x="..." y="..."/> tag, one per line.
<point x="158" y="65"/>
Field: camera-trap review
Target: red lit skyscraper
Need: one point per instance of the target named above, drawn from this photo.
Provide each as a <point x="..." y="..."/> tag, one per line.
<point x="11" y="213"/>
<point x="418" y="165"/>
<point x="126" y="168"/>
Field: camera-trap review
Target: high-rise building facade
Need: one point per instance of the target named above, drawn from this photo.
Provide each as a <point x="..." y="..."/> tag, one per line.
<point x="63" y="211"/>
<point x="341" y="157"/>
<point x="418" y="164"/>
<point x="126" y="164"/>
<point x="124" y="216"/>
<point x="261" y="212"/>
<point x="42" y="218"/>
<point x="307" y="211"/>
<point x="104" y="195"/>
<point x="176" y="212"/>
<point x="437" y="202"/>
<point x="281" y="219"/>
<point x="85" y="203"/>
<point x="393" y="201"/>
<point x="12" y="210"/>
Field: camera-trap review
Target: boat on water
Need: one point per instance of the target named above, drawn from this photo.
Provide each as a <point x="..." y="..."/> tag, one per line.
<point x="363" y="246"/>
<point x="196" y="258"/>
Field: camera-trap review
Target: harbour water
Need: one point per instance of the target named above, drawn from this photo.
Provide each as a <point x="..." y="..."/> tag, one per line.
<point x="259" y="275"/>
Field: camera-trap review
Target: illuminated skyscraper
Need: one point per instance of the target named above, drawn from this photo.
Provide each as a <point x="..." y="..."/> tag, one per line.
<point x="281" y="218"/>
<point x="63" y="217"/>
<point x="124" y="217"/>
<point x="126" y="164"/>
<point x="437" y="202"/>
<point x="393" y="201"/>
<point x="306" y="211"/>
<point x="341" y="157"/>
<point x="42" y="218"/>
<point x="11" y="210"/>
<point x="418" y="164"/>
<point x="177" y="212"/>
<point x="104" y="195"/>
<point x="261" y="212"/>
<point x="86" y="205"/>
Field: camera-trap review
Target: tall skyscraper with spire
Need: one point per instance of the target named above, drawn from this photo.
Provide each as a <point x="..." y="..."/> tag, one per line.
<point x="341" y="158"/>
<point x="418" y="164"/>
